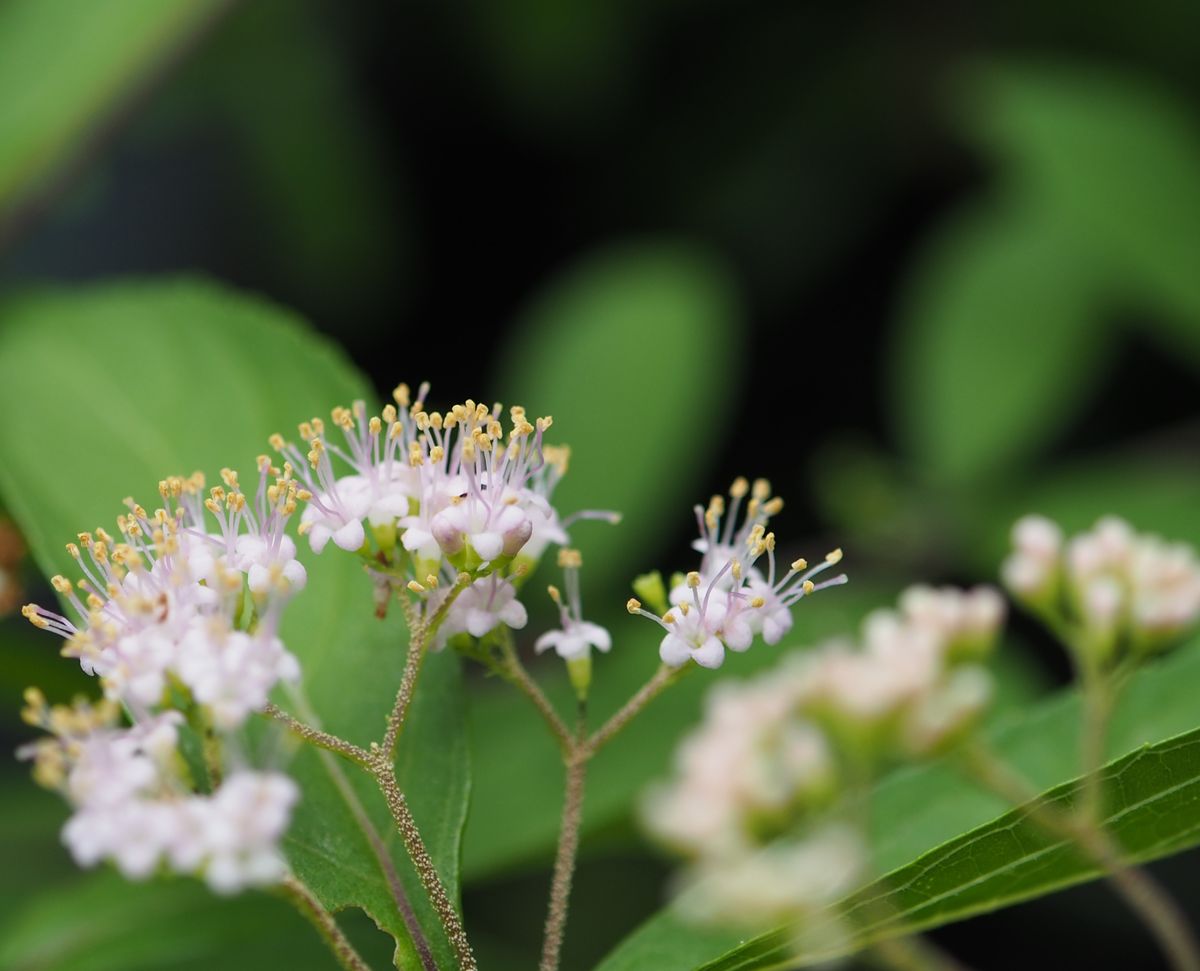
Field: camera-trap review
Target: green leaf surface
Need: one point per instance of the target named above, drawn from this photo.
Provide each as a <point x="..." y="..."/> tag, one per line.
<point x="634" y="352"/>
<point x="120" y="385"/>
<point x="1114" y="156"/>
<point x="951" y="850"/>
<point x="1000" y="342"/>
<point x="67" y="66"/>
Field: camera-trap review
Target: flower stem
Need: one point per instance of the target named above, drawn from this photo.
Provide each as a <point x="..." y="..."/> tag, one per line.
<point x="385" y="775"/>
<point x="514" y="672"/>
<point x="663" y="678"/>
<point x="576" y="760"/>
<point x="305" y="901"/>
<point x="1142" y="893"/>
<point x="314" y="736"/>
<point x="420" y="636"/>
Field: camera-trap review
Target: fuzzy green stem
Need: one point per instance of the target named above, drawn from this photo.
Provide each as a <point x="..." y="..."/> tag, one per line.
<point x="385" y="775"/>
<point x="576" y="760"/>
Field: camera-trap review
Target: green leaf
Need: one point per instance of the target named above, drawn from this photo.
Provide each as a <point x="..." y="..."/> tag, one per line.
<point x="1000" y="342"/>
<point x="66" y="67"/>
<point x="951" y="850"/>
<point x="120" y="385"/>
<point x="1114" y="156"/>
<point x="634" y="353"/>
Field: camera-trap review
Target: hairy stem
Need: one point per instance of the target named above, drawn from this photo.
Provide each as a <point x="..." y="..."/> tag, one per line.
<point x="419" y="639"/>
<point x="305" y="901"/>
<point x="514" y="672"/>
<point x="568" y="848"/>
<point x="447" y="913"/>
<point x="1141" y="892"/>
<point x="663" y="678"/>
<point x="314" y="736"/>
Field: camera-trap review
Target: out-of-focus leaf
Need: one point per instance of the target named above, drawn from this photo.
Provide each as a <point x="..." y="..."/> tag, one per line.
<point x="634" y="352"/>
<point x="67" y="66"/>
<point x="123" y="384"/>
<point x="103" y="923"/>
<point x="1000" y="342"/>
<point x="1114" y="157"/>
<point x="523" y="795"/>
<point x="951" y="850"/>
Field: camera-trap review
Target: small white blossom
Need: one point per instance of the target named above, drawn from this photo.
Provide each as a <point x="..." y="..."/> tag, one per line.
<point x="575" y="637"/>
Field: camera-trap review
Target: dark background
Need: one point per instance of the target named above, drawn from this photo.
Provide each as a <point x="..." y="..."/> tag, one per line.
<point x="407" y="176"/>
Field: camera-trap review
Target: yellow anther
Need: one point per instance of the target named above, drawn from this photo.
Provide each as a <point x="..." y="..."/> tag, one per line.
<point x="73" y="550"/>
<point x="772" y="507"/>
<point x="685" y="608"/>
<point x="739" y="488"/>
<point x="834" y="556"/>
<point x="85" y="539"/>
<point x="415" y="587"/>
<point x="800" y="564"/>
<point x="389" y="414"/>
<point x="757" y="602"/>
<point x="808" y="587"/>
<point x="436" y="454"/>
<point x="761" y="490"/>
<point x="570" y="558"/>
<point x="544" y="423"/>
<point x="431" y="582"/>
<point x="693" y="579"/>
<point x="400" y="394"/>
<point x="304" y="495"/>
<point x="557" y="597"/>
<point x="61" y="583"/>
<point x="30" y="613"/>
<point x="633" y="605"/>
<point x="668" y="618"/>
<point x="736" y="569"/>
<point x="276" y="442"/>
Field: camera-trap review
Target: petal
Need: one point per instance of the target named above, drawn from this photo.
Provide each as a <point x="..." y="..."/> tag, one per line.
<point x="515" y="615"/>
<point x="351" y="536"/>
<point x="674" y="651"/>
<point x="479" y="622"/>
<point x="318" y="536"/>
<point x="710" y="654"/>
<point x="488" y="545"/>
<point x="547" y="640"/>
<point x="595" y="635"/>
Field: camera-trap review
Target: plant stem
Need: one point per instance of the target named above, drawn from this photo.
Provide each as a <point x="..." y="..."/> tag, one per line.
<point x="305" y="901"/>
<point x="385" y="775"/>
<point x="1097" y="707"/>
<point x="418" y="645"/>
<point x="914" y="953"/>
<point x="576" y="760"/>
<point x="514" y="672"/>
<point x="314" y="736"/>
<point x="1141" y="892"/>
<point x="663" y="678"/>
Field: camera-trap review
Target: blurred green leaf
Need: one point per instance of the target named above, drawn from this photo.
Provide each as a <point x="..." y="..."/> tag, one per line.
<point x="634" y="352"/>
<point x="1114" y="157"/>
<point x="1000" y="342"/>
<point x="66" y="67"/>
<point x="123" y="384"/>
<point x="951" y="850"/>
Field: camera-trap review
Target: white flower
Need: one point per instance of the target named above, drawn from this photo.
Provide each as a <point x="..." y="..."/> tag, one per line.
<point x="232" y="672"/>
<point x="728" y="601"/>
<point x="575" y="637"/>
<point x="486" y="604"/>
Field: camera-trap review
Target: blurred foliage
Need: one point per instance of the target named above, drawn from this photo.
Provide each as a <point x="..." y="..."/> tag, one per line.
<point x="926" y="291"/>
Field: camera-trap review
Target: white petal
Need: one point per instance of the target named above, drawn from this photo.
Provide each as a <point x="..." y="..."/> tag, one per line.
<point x="710" y="654"/>
<point x="595" y="635"/>
<point x="674" y="651"/>
<point x="351" y="536"/>
<point x="515" y="615"/>
<point x="547" y="640"/>
<point x="487" y="545"/>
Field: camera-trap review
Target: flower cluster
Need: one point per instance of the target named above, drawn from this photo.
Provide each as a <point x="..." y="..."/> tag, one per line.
<point x="436" y="501"/>
<point x="178" y="617"/>
<point x="134" y="804"/>
<point x="756" y="788"/>
<point x="1111" y="592"/>
<point x="731" y="599"/>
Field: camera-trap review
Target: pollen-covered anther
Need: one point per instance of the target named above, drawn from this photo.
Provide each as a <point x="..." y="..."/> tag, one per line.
<point x="808" y="587"/>
<point x="556" y="596"/>
<point x="693" y="579"/>
<point x="739" y="488"/>
<point x="61" y="584"/>
<point x="633" y="605"/>
<point x="834" y="556"/>
<point x="800" y="564"/>
<point x="570" y="558"/>
<point x="757" y="602"/>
